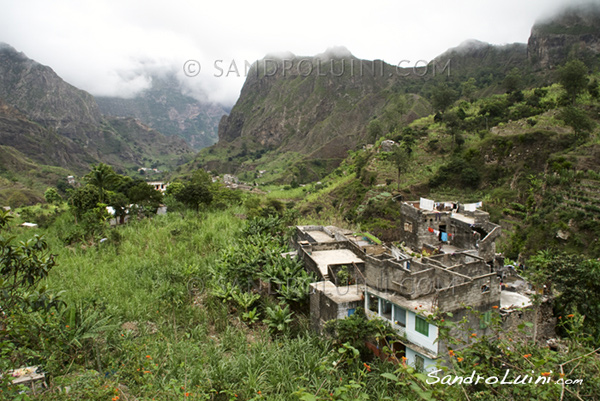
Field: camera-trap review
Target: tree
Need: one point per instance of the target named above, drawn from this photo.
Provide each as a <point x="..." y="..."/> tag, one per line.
<point x="593" y="89"/>
<point x="144" y="194"/>
<point x="103" y="177"/>
<point x="84" y="199"/>
<point x="22" y="267"/>
<point x="174" y="189"/>
<point x="374" y="131"/>
<point x="442" y="97"/>
<point x="573" y="78"/>
<point x="468" y="89"/>
<point x="196" y="191"/>
<point x="119" y="202"/>
<point x="399" y="158"/>
<point x="576" y="119"/>
<point x="577" y="282"/>
<point x="512" y="81"/>
<point x="52" y="197"/>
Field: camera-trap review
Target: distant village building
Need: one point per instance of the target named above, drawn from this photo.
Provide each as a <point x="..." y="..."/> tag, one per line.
<point x="387" y="145"/>
<point x="458" y="271"/>
<point x="159" y="185"/>
<point x="230" y="179"/>
<point x="71" y="180"/>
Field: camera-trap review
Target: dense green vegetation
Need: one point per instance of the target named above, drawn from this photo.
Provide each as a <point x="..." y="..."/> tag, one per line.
<point x="200" y="305"/>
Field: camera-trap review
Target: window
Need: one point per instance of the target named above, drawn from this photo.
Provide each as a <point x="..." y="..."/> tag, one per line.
<point x="485" y="320"/>
<point x="373" y="303"/>
<point x="400" y="316"/>
<point x="419" y="363"/>
<point x="421" y="326"/>
<point x="386" y="309"/>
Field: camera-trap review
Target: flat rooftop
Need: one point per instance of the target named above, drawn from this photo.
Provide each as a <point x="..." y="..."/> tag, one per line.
<point x="510" y="300"/>
<point x="463" y="218"/>
<point x="424" y="304"/>
<point x="343" y="294"/>
<point x="334" y="257"/>
<point x="320" y="236"/>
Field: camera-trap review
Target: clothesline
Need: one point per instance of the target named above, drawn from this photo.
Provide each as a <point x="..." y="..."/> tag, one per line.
<point x="444" y="235"/>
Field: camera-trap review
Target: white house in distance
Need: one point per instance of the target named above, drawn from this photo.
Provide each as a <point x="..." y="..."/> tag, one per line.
<point x="159" y="185"/>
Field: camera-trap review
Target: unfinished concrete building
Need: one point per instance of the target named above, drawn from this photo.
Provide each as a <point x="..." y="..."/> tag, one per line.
<point x="404" y="290"/>
<point x="447" y="227"/>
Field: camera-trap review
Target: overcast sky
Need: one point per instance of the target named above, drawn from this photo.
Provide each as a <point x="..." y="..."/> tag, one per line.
<point x="112" y="47"/>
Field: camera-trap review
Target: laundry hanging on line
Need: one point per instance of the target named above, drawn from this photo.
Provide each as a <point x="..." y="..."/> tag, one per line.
<point x="437" y="232"/>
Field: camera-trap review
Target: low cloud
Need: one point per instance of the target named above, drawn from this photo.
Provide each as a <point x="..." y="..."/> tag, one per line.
<point x="114" y="48"/>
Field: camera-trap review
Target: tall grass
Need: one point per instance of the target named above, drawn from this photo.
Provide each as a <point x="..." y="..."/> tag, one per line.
<point x="175" y="341"/>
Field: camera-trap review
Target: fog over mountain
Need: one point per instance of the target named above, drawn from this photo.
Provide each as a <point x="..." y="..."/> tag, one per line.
<point x="114" y="48"/>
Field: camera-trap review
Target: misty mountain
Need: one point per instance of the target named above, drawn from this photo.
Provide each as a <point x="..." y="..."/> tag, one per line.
<point x="316" y="109"/>
<point x="572" y="33"/>
<point x="53" y="123"/>
<point x="311" y="120"/>
<point x="165" y="108"/>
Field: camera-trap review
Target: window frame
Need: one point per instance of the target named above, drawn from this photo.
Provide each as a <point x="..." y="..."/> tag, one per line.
<point x="485" y="320"/>
<point x="419" y="363"/>
<point x="421" y="326"/>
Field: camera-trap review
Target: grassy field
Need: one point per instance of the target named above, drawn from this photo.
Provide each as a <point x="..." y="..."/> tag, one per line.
<point x="141" y="322"/>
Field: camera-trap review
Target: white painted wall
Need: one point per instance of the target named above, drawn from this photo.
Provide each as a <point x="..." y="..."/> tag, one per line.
<point x="427" y="342"/>
<point x="428" y="364"/>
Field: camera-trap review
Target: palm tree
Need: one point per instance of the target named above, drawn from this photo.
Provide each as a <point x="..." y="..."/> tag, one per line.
<point x="103" y="177"/>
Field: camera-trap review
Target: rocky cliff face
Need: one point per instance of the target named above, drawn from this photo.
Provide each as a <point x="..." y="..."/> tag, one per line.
<point x="42" y="145"/>
<point x="164" y="108"/>
<point x="41" y="95"/>
<point x="573" y="33"/>
<point x="317" y="106"/>
<point x="54" y="123"/>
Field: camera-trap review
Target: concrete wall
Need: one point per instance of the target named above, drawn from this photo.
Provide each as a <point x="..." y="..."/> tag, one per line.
<point x="546" y="323"/>
<point x="421" y="221"/>
<point x="470" y="293"/>
<point x="324" y="309"/>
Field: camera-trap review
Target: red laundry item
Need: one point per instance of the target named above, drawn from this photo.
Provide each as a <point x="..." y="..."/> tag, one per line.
<point x="430" y="229"/>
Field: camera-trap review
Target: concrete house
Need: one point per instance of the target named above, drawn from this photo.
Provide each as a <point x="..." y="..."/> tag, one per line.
<point x="159" y="185"/>
<point x="404" y="290"/>
<point x="448" y="226"/>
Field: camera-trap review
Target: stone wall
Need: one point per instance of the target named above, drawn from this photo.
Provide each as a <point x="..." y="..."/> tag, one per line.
<point x="470" y="293"/>
<point x="546" y="322"/>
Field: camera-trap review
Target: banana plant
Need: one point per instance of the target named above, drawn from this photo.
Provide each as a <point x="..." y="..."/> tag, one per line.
<point x="244" y="299"/>
<point x="278" y="318"/>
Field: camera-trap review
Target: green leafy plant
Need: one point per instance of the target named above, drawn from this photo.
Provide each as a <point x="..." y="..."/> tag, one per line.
<point x="251" y="316"/>
<point x="278" y="318"/>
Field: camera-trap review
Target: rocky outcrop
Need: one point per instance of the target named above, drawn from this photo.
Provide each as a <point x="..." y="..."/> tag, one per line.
<point x="53" y="123"/>
<point x="164" y="108"/>
<point x="41" y="95"/>
<point x="317" y="106"/>
<point x="573" y="33"/>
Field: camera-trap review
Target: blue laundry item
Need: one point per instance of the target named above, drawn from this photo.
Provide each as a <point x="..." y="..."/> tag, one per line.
<point x="444" y="237"/>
